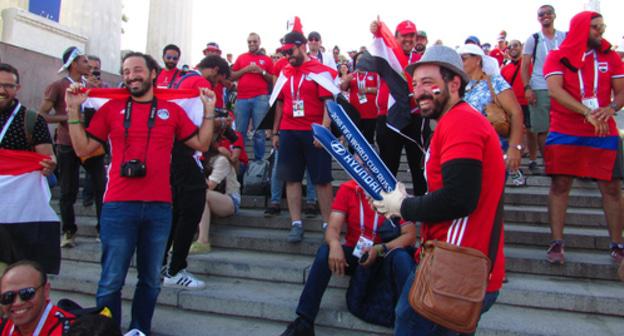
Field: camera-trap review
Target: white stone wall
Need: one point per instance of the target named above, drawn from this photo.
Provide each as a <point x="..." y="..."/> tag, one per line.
<point x="100" y="21"/>
<point x="170" y="22"/>
<point x="29" y="31"/>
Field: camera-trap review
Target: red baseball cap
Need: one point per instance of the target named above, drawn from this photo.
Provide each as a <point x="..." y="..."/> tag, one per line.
<point x="406" y="27"/>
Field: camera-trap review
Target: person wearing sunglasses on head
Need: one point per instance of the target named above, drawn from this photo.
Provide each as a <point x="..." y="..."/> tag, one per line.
<point x="167" y="76"/>
<point x="25" y="302"/>
<point x="315" y="44"/>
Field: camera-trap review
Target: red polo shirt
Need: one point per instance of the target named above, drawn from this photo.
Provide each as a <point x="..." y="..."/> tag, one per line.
<point x="252" y="84"/>
<point x="463" y="133"/>
<point x="508" y="71"/>
<point x="171" y="123"/>
<point x="194" y="81"/>
<point x="367" y="110"/>
<point x="167" y="77"/>
<point x="279" y="65"/>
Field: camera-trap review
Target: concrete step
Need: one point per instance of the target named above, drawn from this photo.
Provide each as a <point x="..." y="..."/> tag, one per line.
<point x="535" y="195"/>
<point x="538" y="214"/>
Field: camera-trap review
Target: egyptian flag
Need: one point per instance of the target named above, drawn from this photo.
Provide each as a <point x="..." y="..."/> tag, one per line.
<point x="25" y="194"/>
<point x="187" y="99"/>
<point x="386" y="58"/>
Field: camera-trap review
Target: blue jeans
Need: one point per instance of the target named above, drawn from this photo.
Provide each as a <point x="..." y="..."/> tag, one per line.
<point x="126" y="226"/>
<point x="255" y="109"/>
<point x="277" y="185"/>
<point x="409" y="323"/>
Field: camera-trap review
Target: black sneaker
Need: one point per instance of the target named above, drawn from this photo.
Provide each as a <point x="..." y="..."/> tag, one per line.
<point x="311" y="210"/>
<point x="299" y="327"/>
<point x="533" y="168"/>
<point x="272" y="210"/>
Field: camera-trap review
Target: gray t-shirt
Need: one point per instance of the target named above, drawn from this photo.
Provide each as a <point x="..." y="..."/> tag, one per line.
<point x="544" y="45"/>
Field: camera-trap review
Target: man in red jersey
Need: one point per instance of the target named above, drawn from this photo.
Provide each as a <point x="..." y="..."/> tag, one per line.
<point x="168" y="76"/>
<point x="465" y="177"/>
<point x="583" y="141"/>
<point x="25" y="300"/>
<point x="500" y="51"/>
<point x="137" y="205"/>
<point x="253" y="71"/>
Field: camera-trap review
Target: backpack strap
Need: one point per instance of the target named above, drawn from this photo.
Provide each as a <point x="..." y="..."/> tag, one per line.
<point x="535" y="39"/>
<point x="30" y="119"/>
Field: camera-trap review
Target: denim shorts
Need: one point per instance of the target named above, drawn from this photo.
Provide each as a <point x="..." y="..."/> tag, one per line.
<point x="236" y="201"/>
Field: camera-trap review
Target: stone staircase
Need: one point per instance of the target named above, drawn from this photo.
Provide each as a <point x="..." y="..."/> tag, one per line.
<point x="254" y="277"/>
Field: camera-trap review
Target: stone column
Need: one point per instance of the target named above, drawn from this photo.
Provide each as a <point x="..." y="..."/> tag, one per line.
<point x="170" y="23"/>
<point x="100" y="21"/>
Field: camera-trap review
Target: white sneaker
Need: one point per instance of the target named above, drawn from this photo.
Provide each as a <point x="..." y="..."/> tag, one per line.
<point x="184" y="279"/>
<point x="517" y="179"/>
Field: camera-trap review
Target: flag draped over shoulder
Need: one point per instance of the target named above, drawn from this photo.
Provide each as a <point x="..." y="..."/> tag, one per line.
<point x="386" y="58"/>
<point x="321" y="74"/>
<point x="188" y="99"/>
<point x="24" y="191"/>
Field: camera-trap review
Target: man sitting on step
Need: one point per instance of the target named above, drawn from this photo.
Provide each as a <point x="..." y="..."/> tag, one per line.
<point x="362" y="239"/>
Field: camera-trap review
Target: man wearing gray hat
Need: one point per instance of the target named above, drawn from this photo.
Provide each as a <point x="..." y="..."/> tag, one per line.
<point x="465" y="179"/>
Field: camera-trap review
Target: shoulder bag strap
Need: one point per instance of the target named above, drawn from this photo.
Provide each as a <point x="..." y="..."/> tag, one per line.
<point x="513" y="78"/>
<point x="489" y="83"/>
<point x="496" y="229"/>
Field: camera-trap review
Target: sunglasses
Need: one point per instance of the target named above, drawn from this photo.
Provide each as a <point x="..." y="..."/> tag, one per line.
<point x="289" y="52"/>
<point x="544" y="13"/>
<point x="514" y="45"/>
<point x="171" y="58"/>
<point x="313" y="39"/>
<point x="25" y="294"/>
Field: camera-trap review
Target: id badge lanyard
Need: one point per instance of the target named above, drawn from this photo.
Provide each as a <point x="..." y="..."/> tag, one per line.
<point x="582" y="84"/>
<point x="375" y="223"/>
<point x="296" y="96"/>
<point x="5" y="129"/>
<point x="361" y="83"/>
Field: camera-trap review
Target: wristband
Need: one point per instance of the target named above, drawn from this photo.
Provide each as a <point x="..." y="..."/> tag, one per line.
<point x="73" y="121"/>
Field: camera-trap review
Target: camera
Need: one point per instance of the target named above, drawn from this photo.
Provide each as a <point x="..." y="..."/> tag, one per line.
<point x="133" y="168"/>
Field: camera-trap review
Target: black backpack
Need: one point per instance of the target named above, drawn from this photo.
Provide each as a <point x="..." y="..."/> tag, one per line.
<point x="257" y="178"/>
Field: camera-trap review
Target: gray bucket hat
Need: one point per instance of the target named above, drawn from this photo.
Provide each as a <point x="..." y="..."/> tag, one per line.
<point x="444" y="57"/>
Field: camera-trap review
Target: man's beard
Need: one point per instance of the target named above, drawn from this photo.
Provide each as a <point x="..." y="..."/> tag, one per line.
<point x="170" y="65"/>
<point x="420" y="47"/>
<point x="594" y="43"/>
<point x="298" y="60"/>
<point x="439" y="103"/>
<point x="140" y="91"/>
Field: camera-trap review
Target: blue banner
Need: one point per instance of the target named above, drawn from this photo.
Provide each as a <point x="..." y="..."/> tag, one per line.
<point x="50" y="9"/>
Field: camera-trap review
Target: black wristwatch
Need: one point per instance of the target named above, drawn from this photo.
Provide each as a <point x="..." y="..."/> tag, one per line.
<point x="614" y="106"/>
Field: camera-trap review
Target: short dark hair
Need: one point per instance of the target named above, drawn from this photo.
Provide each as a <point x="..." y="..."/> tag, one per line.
<point x="547" y="6"/>
<point x="171" y="47"/>
<point x="28" y="263"/>
<point x="94" y="325"/>
<point x="217" y="61"/>
<point x="149" y="60"/>
<point x="94" y="58"/>
<point x="5" y="67"/>
<point x="448" y="75"/>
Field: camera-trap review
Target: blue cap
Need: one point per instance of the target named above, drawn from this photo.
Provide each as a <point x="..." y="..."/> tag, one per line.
<point x="473" y="39"/>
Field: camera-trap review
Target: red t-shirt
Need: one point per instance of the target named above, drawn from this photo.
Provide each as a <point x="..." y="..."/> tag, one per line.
<point x="279" y="65"/>
<point x="499" y="55"/>
<point x="382" y="98"/>
<point x="609" y="67"/>
<point x="171" y="123"/>
<point x="243" y="158"/>
<point x="194" y="81"/>
<point x="51" y="325"/>
<point x="367" y="110"/>
<point x="219" y="91"/>
<point x="349" y="199"/>
<point x="463" y="133"/>
<point x="508" y="72"/>
<point x="168" y="77"/>
<point x="252" y="84"/>
<point x="312" y="95"/>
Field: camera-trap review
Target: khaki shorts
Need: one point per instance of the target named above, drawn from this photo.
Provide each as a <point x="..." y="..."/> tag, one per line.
<point x="540" y="112"/>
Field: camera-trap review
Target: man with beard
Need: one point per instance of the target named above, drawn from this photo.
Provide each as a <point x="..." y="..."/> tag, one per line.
<point x="76" y="63"/>
<point x="137" y="206"/>
<point x="465" y="176"/>
<point x="536" y="49"/>
<point x="390" y="142"/>
<point x="253" y="71"/>
<point x="583" y="76"/>
<point x="421" y="42"/>
<point x="168" y="76"/>
<point x="300" y="103"/>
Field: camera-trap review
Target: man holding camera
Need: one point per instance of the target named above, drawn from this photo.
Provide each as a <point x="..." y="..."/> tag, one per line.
<point x="137" y="206"/>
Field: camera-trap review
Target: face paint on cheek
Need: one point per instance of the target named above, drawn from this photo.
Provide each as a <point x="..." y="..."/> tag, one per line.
<point x="435" y="90"/>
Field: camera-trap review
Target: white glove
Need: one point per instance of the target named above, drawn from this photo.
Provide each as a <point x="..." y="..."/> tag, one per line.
<point x="390" y="204"/>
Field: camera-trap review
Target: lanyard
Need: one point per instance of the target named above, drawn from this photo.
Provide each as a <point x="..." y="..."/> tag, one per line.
<point x="580" y="76"/>
<point x="546" y="49"/>
<point x="41" y="323"/>
<point x="361" y="83"/>
<point x="292" y="87"/>
<point x="409" y="61"/>
<point x="362" y="221"/>
<point x="5" y="129"/>
<point x="150" y="124"/>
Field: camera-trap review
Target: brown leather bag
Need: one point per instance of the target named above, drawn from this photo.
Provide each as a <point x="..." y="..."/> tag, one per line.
<point x="496" y="114"/>
<point x="451" y="281"/>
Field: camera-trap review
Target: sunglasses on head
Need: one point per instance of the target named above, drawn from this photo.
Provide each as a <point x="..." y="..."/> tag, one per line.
<point x="544" y="13"/>
<point x="25" y="294"/>
<point x="171" y="58"/>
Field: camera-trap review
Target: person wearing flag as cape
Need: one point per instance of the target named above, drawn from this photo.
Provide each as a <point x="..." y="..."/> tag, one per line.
<point x="300" y="90"/>
<point x="141" y="127"/>
<point x="582" y="77"/>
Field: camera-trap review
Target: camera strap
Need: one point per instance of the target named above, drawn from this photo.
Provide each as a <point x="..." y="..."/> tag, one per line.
<point x="150" y="124"/>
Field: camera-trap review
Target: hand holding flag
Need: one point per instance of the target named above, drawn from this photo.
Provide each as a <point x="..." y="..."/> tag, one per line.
<point x="75" y="95"/>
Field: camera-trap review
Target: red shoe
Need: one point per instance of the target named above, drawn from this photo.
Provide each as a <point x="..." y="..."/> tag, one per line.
<point x="554" y="255"/>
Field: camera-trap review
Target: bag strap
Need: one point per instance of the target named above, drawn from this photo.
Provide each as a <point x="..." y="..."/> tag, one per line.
<point x="496" y="229"/>
<point x="30" y="119"/>
<point x="535" y="39"/>
<point x="513" y="78"/>
<point x="492" y="93"/>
